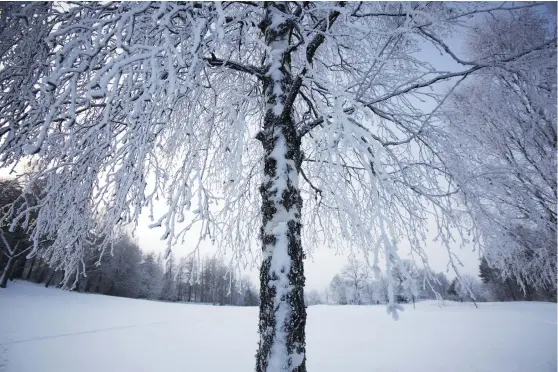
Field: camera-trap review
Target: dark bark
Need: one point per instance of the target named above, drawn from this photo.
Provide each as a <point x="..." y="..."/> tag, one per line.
<point x="511" y="291"/>
<point x="17" y="269"/>
<point x="50" y="278"/>
<point x="291" y="199"/>
<point x="281" y="301"/>
<point x="98" y="286"/>
<point x="3" y="261"/>
<point x="43" y="275"/>
<point x="30" y="271"/>
<point x="6" y="272"/>
<point x="87" y="286"/>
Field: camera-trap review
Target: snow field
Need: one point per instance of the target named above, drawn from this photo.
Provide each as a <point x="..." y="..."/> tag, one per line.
<point x="48" y="330"/>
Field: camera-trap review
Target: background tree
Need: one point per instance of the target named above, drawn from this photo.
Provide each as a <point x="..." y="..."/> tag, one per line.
<point x="372" y="292"/>
<point x="250" y="295"/>
<point x="151" y="274"/>
<point x="206" y="102"/>
<point x="338" y="290"/>
<point x="384" y="288"/>
<point x="13" y="244"/>
<point x="405" y="276"/>
<point x="469" y="288"/>
<point x="168" y="291"/>
<point x="355" y="274"/>
<point x="452" y="290"/>
<point x="127" y="272"/>
<point x="327" y="295"/>
<point x="312" y="297"/>
<point x="440" y="284"/>
<point x="409" y="283"/>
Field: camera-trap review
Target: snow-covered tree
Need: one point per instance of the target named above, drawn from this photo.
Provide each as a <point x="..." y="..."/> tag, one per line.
<point x="503" y="122"/>
<point x="182" y="275"/>
<point x="338" y="290"/>
<point x="327" y="295"/>
<point x="12" y="243"/>
<point x="452" y="290"/>
<point x="384" y="288"/>
<point x="249" y="293"/>
<point x="121" y="273"/>
<point x="168" y="291"/>
<point x="236" y="113"/>
<point x="372" y="292"/>
<point x="469" y="288"/>
<point x="439" y="286"/>
<point x="405" y="278"/>
<point x="312" y="297"/>
<point x="410" y="283"/>
<point x="355" y="275"/>
<point x="151" y="274"/>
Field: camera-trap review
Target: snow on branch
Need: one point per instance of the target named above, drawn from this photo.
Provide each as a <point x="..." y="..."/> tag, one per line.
<point x="127" y="106"/>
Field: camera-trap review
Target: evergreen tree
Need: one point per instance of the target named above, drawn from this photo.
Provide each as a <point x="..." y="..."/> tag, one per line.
<point x="452" y="291"/>
<point x="485" y="271"/>
<point x="168" y="291"/>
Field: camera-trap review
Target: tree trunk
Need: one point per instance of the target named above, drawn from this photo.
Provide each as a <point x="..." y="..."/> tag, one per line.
<point x="50" y="278"/>
<point x="6" y="272"/>
<point x="98" y="284"/>
<point x="30" y="271"/>
<point x="87" y="285"/>
<point x="507" y="281"/>
<point x="282" y="311"/>
<point x="17" y="270"/>
<point x="2" y="259"/>
<point x="43" y="274"/>
<point x="282" y="344"/>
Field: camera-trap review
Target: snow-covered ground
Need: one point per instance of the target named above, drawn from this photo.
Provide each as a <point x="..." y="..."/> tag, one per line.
<point x="48" y="330"/>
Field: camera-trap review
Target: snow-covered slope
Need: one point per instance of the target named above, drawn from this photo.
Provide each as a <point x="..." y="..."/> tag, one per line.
<point x="48" y="330"/>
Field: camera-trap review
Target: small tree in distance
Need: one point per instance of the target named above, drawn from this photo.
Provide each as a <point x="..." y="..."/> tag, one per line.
<point x="355" y="274"/>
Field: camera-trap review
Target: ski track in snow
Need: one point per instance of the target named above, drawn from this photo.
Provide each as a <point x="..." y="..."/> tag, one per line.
<point x="49" y="330"/>
<point x="80" y="333"/>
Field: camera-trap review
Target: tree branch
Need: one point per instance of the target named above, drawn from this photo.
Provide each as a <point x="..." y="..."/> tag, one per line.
<point x="341" y="165"/>
<point x="304" y="128"/>
<point x="319" y="191"/>
<point x="252" y="70"/>
<point x="465" y="73"/>
<point x="311" y="50"/>
<point x="457" y="16"/>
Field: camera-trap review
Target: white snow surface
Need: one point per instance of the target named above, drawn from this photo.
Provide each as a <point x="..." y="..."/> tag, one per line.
<point x="50" y="330"/>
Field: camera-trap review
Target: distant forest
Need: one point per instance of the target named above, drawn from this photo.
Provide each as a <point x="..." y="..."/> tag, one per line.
<point x="127" y="272"/>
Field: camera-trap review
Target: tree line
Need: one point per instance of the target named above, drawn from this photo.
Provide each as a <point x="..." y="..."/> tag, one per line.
<point x="358" y="285"/>
<point x="126" y="271"/>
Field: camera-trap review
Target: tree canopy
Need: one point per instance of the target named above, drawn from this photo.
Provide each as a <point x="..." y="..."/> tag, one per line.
<point x="295" y="122"/>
